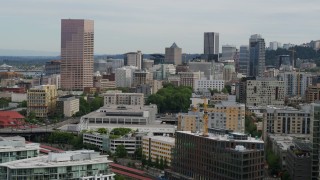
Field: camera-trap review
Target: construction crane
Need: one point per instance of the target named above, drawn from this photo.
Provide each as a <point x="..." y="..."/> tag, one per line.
<point x="205" y="117"/>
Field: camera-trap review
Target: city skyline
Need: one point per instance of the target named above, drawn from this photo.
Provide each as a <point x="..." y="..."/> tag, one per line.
<point x="126" y="26"/>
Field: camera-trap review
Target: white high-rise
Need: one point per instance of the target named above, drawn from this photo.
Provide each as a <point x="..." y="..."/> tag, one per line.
<point x="124" y="76"/>
<point x="133" y="59"/>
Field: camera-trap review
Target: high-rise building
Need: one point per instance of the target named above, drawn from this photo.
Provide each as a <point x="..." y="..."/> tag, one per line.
<point x="228" y="73"/>
<point x="274" y="45"/>
<point x="133" y="59"/>
<point x="257" y="55"/>
<point x="142" y="77"/>
<point x="52" y="67"/>
<point x="77" y="43"/>
<point x="231" y="156"/>
<point x="211" y="43"/>
<point x="228" y="52"/>
<point x="244" y="60"/>
<point x="315" y="140"/>
<point x="124" y="76"/>
<point x="42" y="100"/>
<point x="173" y="55"/>
<point x="296" y="83"/>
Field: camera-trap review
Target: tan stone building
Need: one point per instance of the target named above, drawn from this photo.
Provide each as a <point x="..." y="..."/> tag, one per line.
<point x="313" y="93"/>
<point x="119" y="98"/>
<point x="77" y="43"/>
<point x="173" y="55"/>
<point x="42" y="100"/>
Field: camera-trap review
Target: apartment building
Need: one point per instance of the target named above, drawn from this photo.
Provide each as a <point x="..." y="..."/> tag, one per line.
<point x="68" y="105"/>
<point x="15" y="148"/>
<point x="119" y="98"/>
<point x="312" y="93"/>
<point x="42" y="100"/>
<point x="83" y="164"/>
<point x="158" y="147"/>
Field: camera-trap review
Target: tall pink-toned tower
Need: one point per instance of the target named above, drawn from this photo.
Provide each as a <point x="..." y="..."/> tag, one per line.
<point x="77" y="42"/>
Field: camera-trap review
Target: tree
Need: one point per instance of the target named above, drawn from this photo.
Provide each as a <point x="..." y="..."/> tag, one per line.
<point x="24" y="104"/>
<point x="161" y="165"/>
<point x="144" y="160"/>
<point x="119" y="177"/>
<point x="138" y="153"/>
<point x="157" y="163"/>
<point x="121" y="151"/>
<point x="102" y="131"/>
<point x="273" y="162"/>
<point x="165" y="163"/>
<point x="228" y="87"/>
<point x="120" y="131"/>
<point x="150" y="161"/>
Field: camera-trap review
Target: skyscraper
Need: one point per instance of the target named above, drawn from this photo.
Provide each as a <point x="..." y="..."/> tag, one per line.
<point x="257" y="55"/>
<point x="211" y="43"/>
<point x="77" y="42"/>
<point x="244" y="60"/>
<point x="133" y="59"/>
<point x="173" y="55"/>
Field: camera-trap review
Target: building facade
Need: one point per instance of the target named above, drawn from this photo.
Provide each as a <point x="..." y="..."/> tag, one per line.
<point x="77" y="44"/>
<point x="201" y="85"/>
<point x="68" y="105"/>
<point x="313" y="93"/>
<point x="52" y="67"/>
<point x="229" y="156"/>
<point x="211" y="43"/>
<point x="42" y="100"/>
<point x="133" y="59"/>
<point x="158" y="147"/>
<point x="296" y="83"/>
<point x="124" y="76"/>
<point x="173" y="55"/>
<point x="142" y="77"/>
<point x="244" y="60"/>
<point x="257" y="57"/>
<point x="119" y="98"/>
<point x="84" y="165"/>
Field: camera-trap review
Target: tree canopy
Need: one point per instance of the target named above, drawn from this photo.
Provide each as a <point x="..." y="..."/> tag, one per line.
<point x="121" y="151"/>
<point x="171" y="99"/>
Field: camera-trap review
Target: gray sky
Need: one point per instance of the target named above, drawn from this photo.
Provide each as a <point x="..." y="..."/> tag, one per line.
<point x="152" y="25"/>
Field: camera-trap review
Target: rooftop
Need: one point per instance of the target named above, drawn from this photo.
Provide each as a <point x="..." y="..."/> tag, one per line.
<point x="224" y="137"/>
<point x="69" y="158"/>
<point x="162" y="138"/>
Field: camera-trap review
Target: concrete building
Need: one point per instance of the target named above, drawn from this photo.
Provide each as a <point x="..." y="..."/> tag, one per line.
<point x="227" y="115"/>
<point x="119" y="98"/>
<point x="257" y="56"/>
<point x="156" y="86"/>
<point x="107" y="66"/>
<point x="130" y="143"/>
<point x="201" y="85"/>
<point x="283" y="60"/>
<point x="42" y="100"/>
<point x="158" y="147"/>
<point x="15" y="148"/>
<point x="163" y="71"/>
<point x="119" y="115"/>
<point x="274" y="45"/>
<point x="133" y="59"/>
<point x="173" y="55"/>
<point x="189" y="78"/>
<point x="228" y="73"/>
<point x="263" y="92"/>
<point x="77" y="44"/>
<point x="225" y="156"/>
<point x="124" y="76"/>
<point x="190" y="121"/>
<point x="313" y="93"/>
<point x="229" y="52"/>
<point x="83" y="164"/>
<point x="68" y="105"/>
<point x="205" y="67"/>
<point x="295" y="83"/>
<point x="142" y="77"/>
<point x="211" y="43"/>
<point x="101" y="141"/>
<point x="287" y="120"/>
<point x="52" y="67"/>
<point x="244" y="60"/>
<point x="148" y="63"/>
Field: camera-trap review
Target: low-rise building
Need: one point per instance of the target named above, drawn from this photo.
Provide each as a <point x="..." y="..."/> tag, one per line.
<point x="83" y="164"/>
<point x="68" y="105"/>
<point x="158" y="147"/>
<point x="11" y="119"/>
<point x="313" y="93"/>
<point x="15" y="148"/>
<point x="208" y="84"/>
<point x="119" y="98"/>
<point x="42" y="100"/>
<point x="102" y="141"/>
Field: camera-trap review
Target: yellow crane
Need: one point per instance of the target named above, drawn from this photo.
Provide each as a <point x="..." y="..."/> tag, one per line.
<point x="205" y="117"/>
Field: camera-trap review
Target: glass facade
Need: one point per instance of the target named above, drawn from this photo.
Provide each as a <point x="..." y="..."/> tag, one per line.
<point x="17" y="155"/>
<point x="87" y="171"/>
<point x="203" y="158"/>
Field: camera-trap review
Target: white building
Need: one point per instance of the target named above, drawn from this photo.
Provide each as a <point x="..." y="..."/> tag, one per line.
<point x="201" y="85"/>
<point x="69" y="104"/>
<point x="158" y="147"/>
<point x="82" y="165"/>
<point x="274" y="45"/>
<point x="15" y="148"/>
<point x="119" y="98"/>
<point x="295" y="83"/>
<point x="124" y="76"/>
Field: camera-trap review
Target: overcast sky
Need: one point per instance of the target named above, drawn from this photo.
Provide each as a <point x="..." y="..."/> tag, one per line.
<point x="152" y="25"/>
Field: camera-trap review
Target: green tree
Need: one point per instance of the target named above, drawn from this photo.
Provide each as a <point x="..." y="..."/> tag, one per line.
<point x="273" y="162"/>
<point x="161" y="165"/>
<point x="157" y="162"/>
<point x="120" y="131"/>
<point x="119" y="177"/>
<point x="102" y="131"/>
<point x="24" y="104"/>
<point x="165" y="163"/>
<point x="228" y="87"/>
<point x="138" y="153"/>
<point x="121" y="151"/>
<point x="144" y="160"/>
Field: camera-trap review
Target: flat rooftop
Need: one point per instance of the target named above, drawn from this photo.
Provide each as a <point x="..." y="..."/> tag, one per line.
<point x="45" y="162"/>
<point x="27" y="147"/>
<point x="162" y="138"/>
<point x="223" y="137"/>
